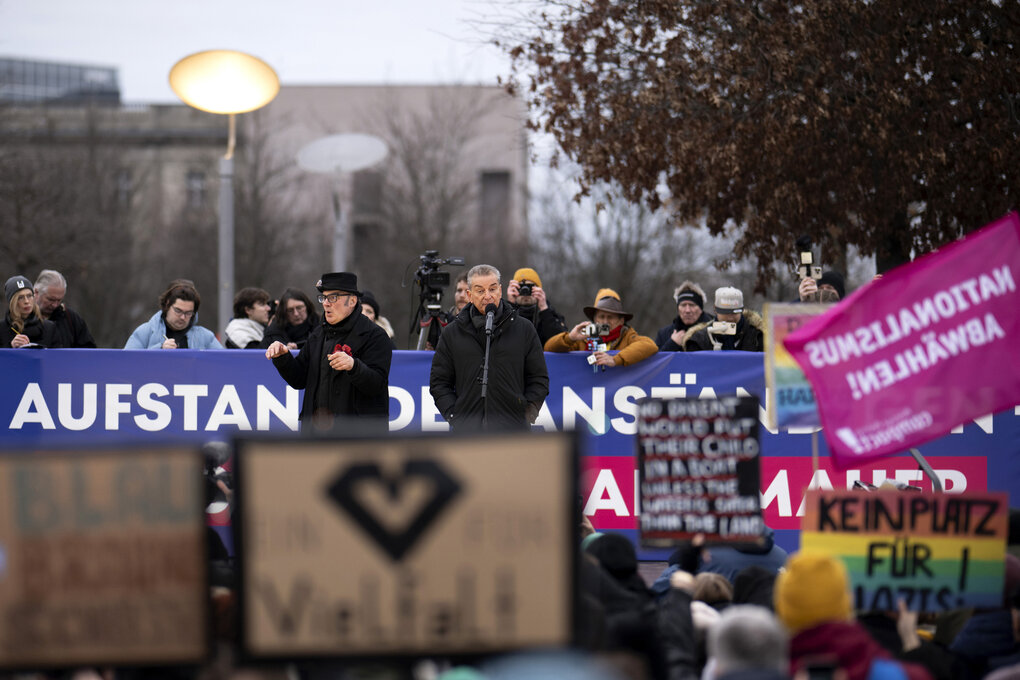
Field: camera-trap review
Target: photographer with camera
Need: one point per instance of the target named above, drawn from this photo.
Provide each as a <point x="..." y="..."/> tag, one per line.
<point x="734" y="329"/>
<point x="814" y="285"/>
<point x="827" y="288"/>
<point x="690" y="311"/>
<point x="506" y="393"/>
<point x="525" y="292"/>
<point x="294" y="319"/>
<point x="608" y="330"/>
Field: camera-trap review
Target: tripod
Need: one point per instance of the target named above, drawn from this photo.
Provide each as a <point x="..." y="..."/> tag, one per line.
<point x="431" y="319"/>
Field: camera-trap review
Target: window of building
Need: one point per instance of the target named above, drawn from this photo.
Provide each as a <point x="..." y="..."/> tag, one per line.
<point x="495" y="200"/>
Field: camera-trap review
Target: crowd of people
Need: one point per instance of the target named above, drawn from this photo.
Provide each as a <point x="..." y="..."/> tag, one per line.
<point x="779" y="616"/>
<point x="488" y="369"/>
<point x="37" y="316"/>
<point x="715" y="612"/>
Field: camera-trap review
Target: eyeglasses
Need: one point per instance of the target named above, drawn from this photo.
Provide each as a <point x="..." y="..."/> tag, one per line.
<point x="296" y="310"/>
<point x="183" y="314"/>
<point x="332" y="297"/>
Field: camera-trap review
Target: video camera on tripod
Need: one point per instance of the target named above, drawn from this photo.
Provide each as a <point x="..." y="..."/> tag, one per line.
<point x="431" y="282"/>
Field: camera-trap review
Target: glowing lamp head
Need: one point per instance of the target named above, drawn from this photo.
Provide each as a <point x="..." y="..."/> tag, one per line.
<point x="224" y="81"/>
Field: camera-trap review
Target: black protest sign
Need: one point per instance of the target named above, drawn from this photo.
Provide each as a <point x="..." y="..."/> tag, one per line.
<point x="699" y="471"/>
<point x="406" y="546"/>
<point x="103" y="559"/>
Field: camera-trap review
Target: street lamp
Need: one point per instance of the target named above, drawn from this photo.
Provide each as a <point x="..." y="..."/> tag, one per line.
<point x="228" y="82"/>
<point x="341" y="155"/>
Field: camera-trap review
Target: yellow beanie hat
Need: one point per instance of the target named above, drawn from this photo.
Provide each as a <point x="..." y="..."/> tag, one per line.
<point x="527" y="274"/>
<point x="605" y="292"/>
<point x="813" y="588"/>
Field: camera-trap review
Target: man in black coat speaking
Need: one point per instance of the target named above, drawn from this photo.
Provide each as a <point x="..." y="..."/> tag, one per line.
<point x="518" y="380"/>
<point x="344" y="367"/>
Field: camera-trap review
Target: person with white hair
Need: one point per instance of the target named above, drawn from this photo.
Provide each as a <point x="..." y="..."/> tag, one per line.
<point x="72" y="331"/>
<point x="735" y="328"/>
<point x="748" y="642"/>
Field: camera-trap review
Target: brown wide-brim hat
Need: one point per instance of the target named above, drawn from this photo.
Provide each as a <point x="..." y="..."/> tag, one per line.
<point x="607" y="300"/>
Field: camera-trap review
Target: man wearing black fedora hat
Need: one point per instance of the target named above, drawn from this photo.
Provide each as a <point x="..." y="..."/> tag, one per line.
<point x="344" y="367"/>
<point x="610" y="332"/>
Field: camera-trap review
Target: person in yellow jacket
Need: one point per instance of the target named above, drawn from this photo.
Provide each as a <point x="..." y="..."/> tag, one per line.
<point x="610" y="333"/>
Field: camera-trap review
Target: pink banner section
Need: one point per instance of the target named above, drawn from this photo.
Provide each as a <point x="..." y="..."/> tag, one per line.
<point x="926" y="347"/>
<point x="609" y="484"/>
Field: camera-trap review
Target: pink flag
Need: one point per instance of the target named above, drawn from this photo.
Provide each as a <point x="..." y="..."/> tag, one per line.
<point x="925" y="348"/>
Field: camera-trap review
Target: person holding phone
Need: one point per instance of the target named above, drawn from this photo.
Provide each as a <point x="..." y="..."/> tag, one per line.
<point x="735" y="328"/>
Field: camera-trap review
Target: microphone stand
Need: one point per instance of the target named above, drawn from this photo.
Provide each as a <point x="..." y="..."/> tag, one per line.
<point x="485" y="370"/>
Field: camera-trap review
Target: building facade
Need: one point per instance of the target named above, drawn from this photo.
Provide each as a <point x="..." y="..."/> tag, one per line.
<point x="454" y="179"/>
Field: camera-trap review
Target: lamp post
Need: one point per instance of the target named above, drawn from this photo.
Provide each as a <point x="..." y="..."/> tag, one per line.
<point x="341" y="155"/>
<point x="227" y="82"/>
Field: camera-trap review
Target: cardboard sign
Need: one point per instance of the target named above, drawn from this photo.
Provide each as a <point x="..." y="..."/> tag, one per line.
<point x="934" y="551"/>
<point x="442" y="545"/>
<point x="793" y="402"/>
<point x="102" y="559"/>
<point x="698" y="470"/>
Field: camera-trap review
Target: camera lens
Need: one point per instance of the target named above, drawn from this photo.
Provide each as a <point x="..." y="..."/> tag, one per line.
<point x="524" y="289"/>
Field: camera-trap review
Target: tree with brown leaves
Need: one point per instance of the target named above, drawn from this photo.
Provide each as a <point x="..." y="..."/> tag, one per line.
<point x="890" y="125"/>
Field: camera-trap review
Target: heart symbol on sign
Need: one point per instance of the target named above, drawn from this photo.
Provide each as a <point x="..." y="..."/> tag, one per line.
<point x="363" y="481"/>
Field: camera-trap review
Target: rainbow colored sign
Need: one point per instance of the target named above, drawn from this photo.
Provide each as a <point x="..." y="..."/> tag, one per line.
<point x="793" y="401"/>
<point x="934" y="552"/>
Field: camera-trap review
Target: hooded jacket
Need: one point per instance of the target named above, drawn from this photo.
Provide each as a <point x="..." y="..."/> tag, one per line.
<point x="362" y="391"/>
<point x="518" y="376"/>
<point x="725" y="560"/>
<point x="730" y="561"/>
<point x="633" y="346"/>
<point x="152" y="333"/>
<point x="852" y="647"/>
<point x="750" y="335"/>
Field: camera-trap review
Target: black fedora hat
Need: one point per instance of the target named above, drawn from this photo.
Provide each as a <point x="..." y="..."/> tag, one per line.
<point x="342" y="281"/>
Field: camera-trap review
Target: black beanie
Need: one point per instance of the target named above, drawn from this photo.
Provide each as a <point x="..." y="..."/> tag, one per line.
<point x="690" y="296"/>
<point x="14" y="285"/>
<point x="367" y="297"/>
<point x="834" y="279"/>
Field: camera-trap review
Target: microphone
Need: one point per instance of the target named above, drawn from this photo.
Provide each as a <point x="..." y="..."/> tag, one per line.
<point x="490" y="309"/>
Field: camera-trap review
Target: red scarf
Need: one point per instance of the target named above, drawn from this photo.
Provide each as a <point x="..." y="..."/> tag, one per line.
<point x="613" y="336"/>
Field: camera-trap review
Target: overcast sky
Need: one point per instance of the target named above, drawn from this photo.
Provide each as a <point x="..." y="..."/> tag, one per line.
<point x="306" y="41"/>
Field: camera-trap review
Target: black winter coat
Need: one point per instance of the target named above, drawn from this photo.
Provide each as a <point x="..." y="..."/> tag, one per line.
<point x="290" y="333"/>
<point x="664" y="339"/>
<point x="364" y="390"/>
<point x="72" y="331"/>
<point x="517" y="372"/>
<point x="39" y="331"/>
<point x="548" y="322"/>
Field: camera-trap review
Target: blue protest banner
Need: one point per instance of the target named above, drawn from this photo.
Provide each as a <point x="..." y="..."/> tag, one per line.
<point x="94" y="398"/>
